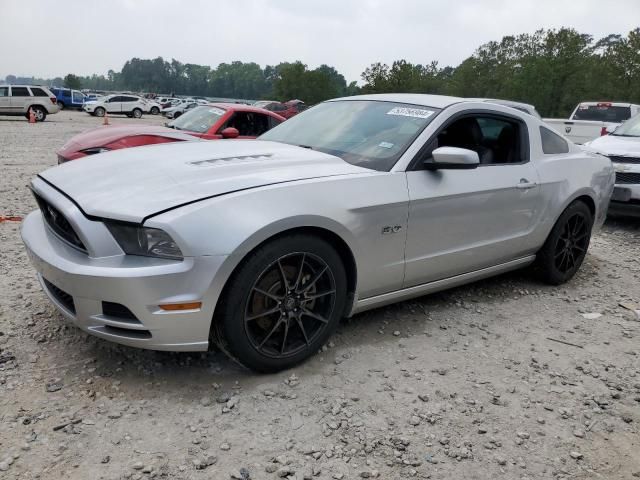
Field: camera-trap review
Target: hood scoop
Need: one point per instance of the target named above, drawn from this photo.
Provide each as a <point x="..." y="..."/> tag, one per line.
<point x="204" y="163"/>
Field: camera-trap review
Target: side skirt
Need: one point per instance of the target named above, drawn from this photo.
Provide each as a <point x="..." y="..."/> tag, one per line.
<point x="438" y="285"/>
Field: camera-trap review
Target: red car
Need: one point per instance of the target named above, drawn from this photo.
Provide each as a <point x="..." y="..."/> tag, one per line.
<point x="286" y="109"/>
<point x="207" y="122"/>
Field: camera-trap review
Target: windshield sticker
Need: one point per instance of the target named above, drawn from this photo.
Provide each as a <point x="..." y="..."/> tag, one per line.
<point x="216" y="111"/>
<point x="410" y="112"/>
<point x="385" y="145"/>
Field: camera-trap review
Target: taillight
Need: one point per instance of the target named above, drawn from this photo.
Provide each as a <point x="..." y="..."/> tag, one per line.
<point x="603" y="131"/>
<point x="54" y="100"/>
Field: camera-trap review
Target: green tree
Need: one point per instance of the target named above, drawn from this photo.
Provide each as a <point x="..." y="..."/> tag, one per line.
<point x="72" y="81"/>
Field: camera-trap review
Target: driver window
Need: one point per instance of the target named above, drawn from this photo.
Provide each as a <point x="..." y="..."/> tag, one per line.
<point x="496" y="140"/>
<point x="248" y="124"/>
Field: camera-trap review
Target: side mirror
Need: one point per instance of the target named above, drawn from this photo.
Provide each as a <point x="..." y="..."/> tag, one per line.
<point x="230" y="132"/>
<point x="452" y="158"/>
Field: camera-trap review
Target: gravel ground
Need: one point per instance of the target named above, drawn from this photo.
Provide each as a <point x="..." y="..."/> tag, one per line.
<point x="463" y="384"/>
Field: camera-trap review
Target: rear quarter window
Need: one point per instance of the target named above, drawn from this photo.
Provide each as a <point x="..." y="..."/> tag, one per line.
<point x="38" y="92"/>
<point x="552" y="143"/>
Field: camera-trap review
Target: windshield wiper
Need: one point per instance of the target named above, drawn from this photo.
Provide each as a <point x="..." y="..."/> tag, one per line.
<point x="306" y="146"/>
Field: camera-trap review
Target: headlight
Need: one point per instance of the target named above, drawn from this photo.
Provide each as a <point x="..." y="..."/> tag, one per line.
<point x="148" y="242"/>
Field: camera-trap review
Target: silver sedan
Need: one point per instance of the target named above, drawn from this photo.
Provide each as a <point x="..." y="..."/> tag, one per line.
<point x="263" y="246"/>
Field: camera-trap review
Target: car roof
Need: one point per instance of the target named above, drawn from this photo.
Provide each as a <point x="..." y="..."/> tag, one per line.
<point x="499" y="101"/>
<point x="238" y="106"/>
<point x="435" y="101"/>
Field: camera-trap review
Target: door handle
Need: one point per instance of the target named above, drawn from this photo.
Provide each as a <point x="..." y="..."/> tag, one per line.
<point x="525" y="184"/>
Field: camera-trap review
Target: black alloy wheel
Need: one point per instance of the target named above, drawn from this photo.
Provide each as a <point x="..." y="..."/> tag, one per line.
<point x="282" y="303"/>
<point x="567" y="244"/>
<point x="572" y="243"/>
<point x="290" y="304"/>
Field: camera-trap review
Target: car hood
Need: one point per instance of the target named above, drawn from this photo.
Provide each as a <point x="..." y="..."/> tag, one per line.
<point x="134" y="184"/>
<point x="101" y="136"/>
<point x="616" y="145"/>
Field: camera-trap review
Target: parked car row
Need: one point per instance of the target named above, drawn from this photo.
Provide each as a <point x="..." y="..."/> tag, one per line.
<point x="262" y="246"/>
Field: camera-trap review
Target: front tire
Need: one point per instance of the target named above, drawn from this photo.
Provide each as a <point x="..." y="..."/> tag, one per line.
<point x="283" y="302"/>
<point x="155" y="111"/>
<point x="176" y="115"/>
<point x="99" y="112"/>
<point x="61" y="104"/>
<point x="567" y="244"/>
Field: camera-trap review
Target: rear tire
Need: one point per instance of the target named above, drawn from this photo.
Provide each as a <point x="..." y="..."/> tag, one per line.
<point x="99" y="112"/>
<point x="567" y="244"/>
<point x="282" y="303"/>
<point x="137" y="113"/>
<point x="40" y="113"/>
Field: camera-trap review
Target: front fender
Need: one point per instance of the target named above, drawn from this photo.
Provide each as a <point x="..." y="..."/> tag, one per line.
<point x="356" y="208"/>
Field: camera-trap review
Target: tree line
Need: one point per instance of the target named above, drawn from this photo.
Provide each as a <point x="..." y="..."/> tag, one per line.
<point x="551" y="69"/>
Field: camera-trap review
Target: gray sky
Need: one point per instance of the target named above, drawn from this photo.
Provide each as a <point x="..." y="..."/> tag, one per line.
<point x="52" y="38"/>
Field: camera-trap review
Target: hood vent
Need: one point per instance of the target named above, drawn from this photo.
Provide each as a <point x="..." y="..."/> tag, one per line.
<point x="229" y="159"/>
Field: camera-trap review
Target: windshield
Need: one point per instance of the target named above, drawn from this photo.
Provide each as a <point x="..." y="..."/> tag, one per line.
<point x="602" y="112"/>
<point x="199" y="119"/>
<point x="630" y="128"/>
<point x="262" y="103"/>
<point x="370" y="134"/>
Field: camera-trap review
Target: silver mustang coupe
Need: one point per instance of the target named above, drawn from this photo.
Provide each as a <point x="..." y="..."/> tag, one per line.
<point x="262" y="246"/>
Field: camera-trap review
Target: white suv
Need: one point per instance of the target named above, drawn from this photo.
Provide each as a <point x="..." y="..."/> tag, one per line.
<point x="151" y="106"/>
<point x="128" y="105"/>
<point x="17" y="100"/>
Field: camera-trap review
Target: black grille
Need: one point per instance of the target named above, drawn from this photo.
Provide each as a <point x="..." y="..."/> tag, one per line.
<point x="61" y="296"/>
<point x="59" y="224"/>
<point x="618" y="159"/>
<point x="627" y="178"/>
<point x="119" y="311"/>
